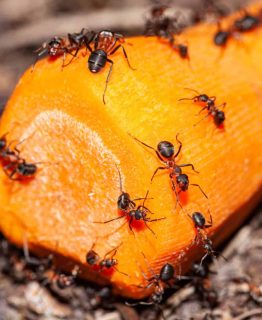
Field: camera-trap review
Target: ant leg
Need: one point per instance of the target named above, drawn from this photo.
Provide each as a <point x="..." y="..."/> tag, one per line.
<point x="107" y="78"/>
<point x="130" y="225"/>
<point x="222" y="105"/>
<point x="159" y="168"/>
<point x="209" y="113"/>
<point x="73" y="57"/>
<point x="125" y="54"/>
<point x="149" y="228"/>
<point x="197" y="185"/>
<point x="210" y="223"/>
<point x="37" y="58"/>
<point x="148" y="146"/>
<point x="125" y="274"/>
<point x="176" y="193"/>
<point x="109" y="220"/>
<point x="180" y="146"/>
<point x="187" y="165"/>
<point x="201" y="110"/>
<point x="10" y="174"/>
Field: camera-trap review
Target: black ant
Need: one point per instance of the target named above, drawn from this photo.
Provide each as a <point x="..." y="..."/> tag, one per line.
<point x="201" y="236"/>
<point x="166" y="154"/>
<point x="93" y="259"/>
<point x="159" y="281"/>
<point x="208" y="103"/>
<point x="221" y="37"/>
<point x="247" y="23"/>
<point x="20" y="170"/>
<point x="131" y="210"/>
<point x="203" y="284"/>
<point x="45" y="272"/>
<point x="61" y="46"/>
<point x="57" y="46"/>
<point x="162" y="26"/>
<point x="105" y="44"/>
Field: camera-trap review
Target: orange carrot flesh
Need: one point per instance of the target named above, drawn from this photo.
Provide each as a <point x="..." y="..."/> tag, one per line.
<point x="61" y="115"/>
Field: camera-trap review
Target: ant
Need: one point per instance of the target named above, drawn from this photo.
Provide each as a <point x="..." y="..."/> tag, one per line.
<point x="162" y="26"/>
<point x="221" y="37"/>
<point x="58" y="46"/>
<point x="131" y="210"/>
<point x="45" y="272"/>
<point x="247" y="23"/>
<point x="105" y="44"/>
<point x="21" y="169"/>
<point x="166" y="154"/>
<point x="201" y="225"/>
<point x="93" y="259"/>
<point x="208" y="103"/>
<point x="203" y="285"/>
<point x="159" y="282"/>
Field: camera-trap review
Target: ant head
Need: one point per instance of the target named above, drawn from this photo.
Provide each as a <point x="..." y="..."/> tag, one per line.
<point x="219" y="117"/>
<point x="198" y="219"/>
<point x="92" y="257"/>
<point x="167" y="272"/>
<point x="201" y="98"/>
<point x="182" y="181"/>
<point x="166" y="149"/>
<point x="123" y="201"/>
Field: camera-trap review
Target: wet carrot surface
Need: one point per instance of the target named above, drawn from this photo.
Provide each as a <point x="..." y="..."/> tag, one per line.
<point x="79" y="141"/>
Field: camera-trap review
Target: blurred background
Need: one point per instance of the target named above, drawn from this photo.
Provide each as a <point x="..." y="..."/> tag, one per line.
<point x="26" y="24"/>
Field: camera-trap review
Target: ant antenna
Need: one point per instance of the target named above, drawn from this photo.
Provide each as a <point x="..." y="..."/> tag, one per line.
<point x="120" y="178"/>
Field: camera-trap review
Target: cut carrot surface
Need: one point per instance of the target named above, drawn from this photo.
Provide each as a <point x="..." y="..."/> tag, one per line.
<point x="78" y="141"/>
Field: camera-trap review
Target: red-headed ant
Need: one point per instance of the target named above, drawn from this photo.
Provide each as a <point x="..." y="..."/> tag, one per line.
<point x="166" y="154"/>
<point x="131" y="210"/>
<point x="61" y="46"/>
<point x="208" y="103"/>
<point x="165" y="27"/>
<point x="93" y="259"/>
<point x="106" y="43"/>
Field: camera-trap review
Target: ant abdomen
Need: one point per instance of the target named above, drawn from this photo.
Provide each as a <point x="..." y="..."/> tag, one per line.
<point x="97" y="60"/>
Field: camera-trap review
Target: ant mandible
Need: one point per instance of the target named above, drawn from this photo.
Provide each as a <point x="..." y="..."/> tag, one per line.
<point x="162" y="26"/>
<point x="93" y="259"/>
<point x="208" y="103"/>
<point x="131" y="210"/>
<point x="166" y="154"/>
<point x="105" y="44"/>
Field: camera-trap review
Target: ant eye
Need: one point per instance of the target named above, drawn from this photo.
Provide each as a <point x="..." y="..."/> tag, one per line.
<point x="166" y="149"/>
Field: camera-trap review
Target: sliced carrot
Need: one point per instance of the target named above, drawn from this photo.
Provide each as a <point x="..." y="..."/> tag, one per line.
<point x="79" y="140"/>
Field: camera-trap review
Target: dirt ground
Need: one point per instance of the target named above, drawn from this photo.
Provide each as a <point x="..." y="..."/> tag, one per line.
<point x="232" y="290"/>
